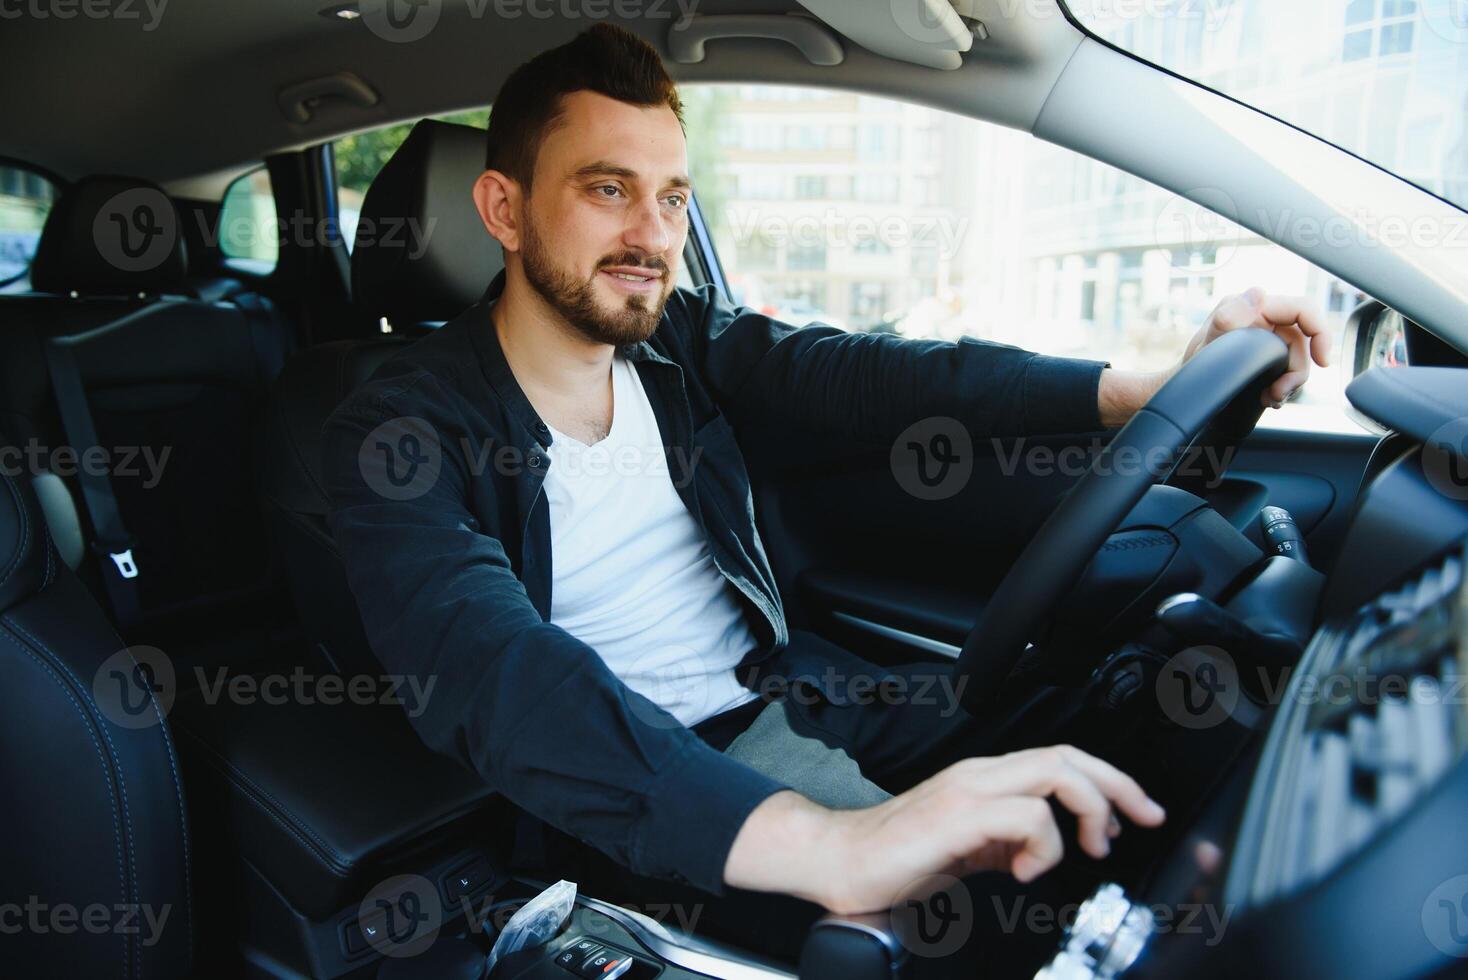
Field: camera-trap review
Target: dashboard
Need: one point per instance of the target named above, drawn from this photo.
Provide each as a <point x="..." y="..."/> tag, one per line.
<point x="1337" y="847"/>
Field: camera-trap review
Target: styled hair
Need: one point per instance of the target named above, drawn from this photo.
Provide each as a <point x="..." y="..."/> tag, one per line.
<point x="606" y="59"/>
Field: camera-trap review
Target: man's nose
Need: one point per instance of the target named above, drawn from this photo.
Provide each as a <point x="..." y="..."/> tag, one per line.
<point x="646" y="231"/>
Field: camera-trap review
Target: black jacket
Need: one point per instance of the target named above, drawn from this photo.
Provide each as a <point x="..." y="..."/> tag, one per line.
<point x="435" y="469"/>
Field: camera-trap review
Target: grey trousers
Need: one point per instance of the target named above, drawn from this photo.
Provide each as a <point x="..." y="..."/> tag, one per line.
<point x="817" y="771"/>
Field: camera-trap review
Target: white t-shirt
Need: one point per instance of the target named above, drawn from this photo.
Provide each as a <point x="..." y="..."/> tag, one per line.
<point x="632" y="574"/>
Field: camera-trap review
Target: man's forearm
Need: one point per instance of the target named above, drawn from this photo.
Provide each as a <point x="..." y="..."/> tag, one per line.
<point x="786" y="845"/>
<point x="1122" y="393"/>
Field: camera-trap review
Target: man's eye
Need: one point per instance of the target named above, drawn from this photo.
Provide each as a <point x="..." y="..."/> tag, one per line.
<point x="677" y="200"/>
<point x="613" y="188"/>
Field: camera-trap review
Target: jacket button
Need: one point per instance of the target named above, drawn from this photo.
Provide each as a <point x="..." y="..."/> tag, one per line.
<point x="542" y="428"/>
<point x="534" y="462"/>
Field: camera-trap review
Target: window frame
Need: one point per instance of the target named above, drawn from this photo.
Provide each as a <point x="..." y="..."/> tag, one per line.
<point x="256" y="268"/>
<point x="58" y="183"/>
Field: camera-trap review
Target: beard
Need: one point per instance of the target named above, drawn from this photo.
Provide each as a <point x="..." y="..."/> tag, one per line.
<point x="631" y="322"/>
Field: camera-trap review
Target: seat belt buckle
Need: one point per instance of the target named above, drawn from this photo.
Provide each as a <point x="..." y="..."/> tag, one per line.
<point x="127" y="567"/>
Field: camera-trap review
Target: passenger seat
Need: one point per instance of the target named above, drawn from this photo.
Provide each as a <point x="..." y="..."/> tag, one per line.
<point x="95" y="815"/>
<point x="426" y="185"/>
<point x="171" y="388"/>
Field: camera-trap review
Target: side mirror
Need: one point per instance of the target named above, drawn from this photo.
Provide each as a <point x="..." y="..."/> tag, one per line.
<point x="1376" y="336"/>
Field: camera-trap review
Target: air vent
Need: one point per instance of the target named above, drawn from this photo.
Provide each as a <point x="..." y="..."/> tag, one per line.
<point x="1376" y="719"/>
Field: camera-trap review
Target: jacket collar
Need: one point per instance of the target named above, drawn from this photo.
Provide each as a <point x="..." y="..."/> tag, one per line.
<point x="497" y="369"/>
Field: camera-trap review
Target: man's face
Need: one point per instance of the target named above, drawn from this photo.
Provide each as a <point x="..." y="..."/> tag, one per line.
<point x="605" y="222"/>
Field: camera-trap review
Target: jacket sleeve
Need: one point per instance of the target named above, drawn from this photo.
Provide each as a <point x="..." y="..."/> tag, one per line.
<point x="869" y="387"/>
<point x="533" y="710"/>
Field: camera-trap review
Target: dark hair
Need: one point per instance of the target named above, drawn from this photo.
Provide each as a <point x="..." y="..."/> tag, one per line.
<point x="606" y="59"/>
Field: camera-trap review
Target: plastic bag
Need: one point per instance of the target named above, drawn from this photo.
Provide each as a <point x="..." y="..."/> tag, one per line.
<point x="537" y="921"/>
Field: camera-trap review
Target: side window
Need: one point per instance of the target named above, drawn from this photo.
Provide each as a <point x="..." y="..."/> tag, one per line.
<point x="880" y="216"/>
<point x="360" y="156"/>
<point x="25" y="200"/>
<point x="248" y="229"/>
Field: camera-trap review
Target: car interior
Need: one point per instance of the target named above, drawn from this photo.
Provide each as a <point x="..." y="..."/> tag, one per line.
<point x="280" y="834"/>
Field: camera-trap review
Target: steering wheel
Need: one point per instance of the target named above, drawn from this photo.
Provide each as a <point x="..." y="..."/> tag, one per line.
<point x="1207" y="398"/>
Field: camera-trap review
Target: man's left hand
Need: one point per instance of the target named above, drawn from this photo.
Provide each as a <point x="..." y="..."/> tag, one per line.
<point x="1296" y="323"/>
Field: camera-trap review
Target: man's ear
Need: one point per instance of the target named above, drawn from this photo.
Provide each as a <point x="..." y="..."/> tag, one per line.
<point x="497" y="198"/>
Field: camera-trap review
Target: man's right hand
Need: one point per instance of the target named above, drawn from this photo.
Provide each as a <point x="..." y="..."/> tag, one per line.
<point x="981" y="814"/>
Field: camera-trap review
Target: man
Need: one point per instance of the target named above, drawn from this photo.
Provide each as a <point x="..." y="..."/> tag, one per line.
<point x="553" y="595"/>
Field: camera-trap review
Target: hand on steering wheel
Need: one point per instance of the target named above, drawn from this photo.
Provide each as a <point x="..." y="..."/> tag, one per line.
<point x="1223" y="380"/>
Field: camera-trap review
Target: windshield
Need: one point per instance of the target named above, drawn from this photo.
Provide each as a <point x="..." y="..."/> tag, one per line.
<point x="1384" y="79"/>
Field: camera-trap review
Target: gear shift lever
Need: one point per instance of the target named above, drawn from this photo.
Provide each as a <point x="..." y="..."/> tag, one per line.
<point x="853" y="947"/>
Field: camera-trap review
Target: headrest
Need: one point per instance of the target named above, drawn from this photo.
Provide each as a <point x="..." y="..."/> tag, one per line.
<point x="26" y="562"/>
<point x="111" y="235"/>
<point x="421" y="252"/>
<point x="313" y="383"/>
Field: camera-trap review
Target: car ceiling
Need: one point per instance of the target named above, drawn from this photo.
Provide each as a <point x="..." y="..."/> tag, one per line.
<point x="197" y="94"/>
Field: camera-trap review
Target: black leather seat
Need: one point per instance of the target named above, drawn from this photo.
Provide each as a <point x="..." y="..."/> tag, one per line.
<point x="315" y="803"/>
<point x="425" y="185"/>
<point x="161" y="371"/>
<point x="95" y="816"/>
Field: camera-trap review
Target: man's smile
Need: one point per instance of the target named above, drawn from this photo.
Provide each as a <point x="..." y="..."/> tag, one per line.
<point x="633" y="279"/>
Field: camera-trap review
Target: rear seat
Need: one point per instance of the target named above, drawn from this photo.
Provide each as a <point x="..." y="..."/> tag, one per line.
<point x="174" y="387"/>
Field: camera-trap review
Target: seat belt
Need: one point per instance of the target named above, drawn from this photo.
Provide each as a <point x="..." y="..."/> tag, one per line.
<point x="112" y="543"/>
